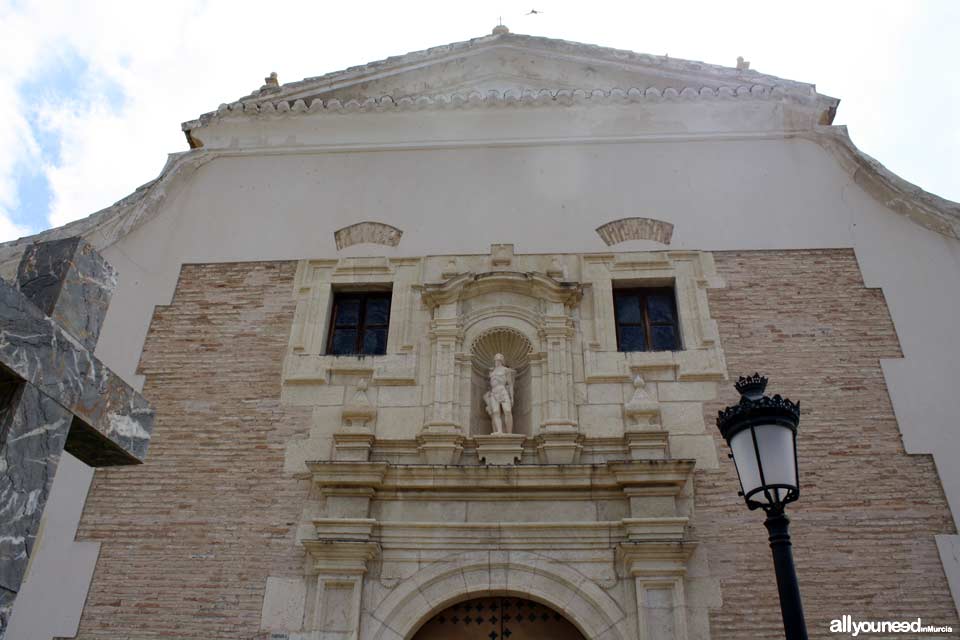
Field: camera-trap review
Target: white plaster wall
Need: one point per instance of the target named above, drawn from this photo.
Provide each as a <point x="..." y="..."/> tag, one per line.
<point x="480" y="185"/>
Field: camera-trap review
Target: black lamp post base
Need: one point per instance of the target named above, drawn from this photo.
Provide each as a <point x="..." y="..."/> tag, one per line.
<point x="778" y="524"/>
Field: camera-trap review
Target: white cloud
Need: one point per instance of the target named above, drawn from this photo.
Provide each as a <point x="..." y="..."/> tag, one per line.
<point x="176" y="59"/>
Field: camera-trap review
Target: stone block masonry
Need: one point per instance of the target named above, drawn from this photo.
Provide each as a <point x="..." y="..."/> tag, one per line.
<point x="214" y="513"/>
<point x="863" y="529"/>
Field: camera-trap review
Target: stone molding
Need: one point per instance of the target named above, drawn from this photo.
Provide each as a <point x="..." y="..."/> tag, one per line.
<point x="634" y="444"/>
<point x="489" y="99"/>
<point x="635" y="535"/>
<point x="341" y="557"/>
<point x="388" y="370"/>
<point x="669" y="476"/>
<point x="624" y="229"/>
<point x="371" y="232"/>
<point x="922" y="207"/>
<point x="470" y="285"/>
<point x="527" y="574"/>
<point x="306" y="362"/>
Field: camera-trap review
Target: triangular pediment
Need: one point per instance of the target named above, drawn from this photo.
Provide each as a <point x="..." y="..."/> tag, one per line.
<point x="506" y="62"/>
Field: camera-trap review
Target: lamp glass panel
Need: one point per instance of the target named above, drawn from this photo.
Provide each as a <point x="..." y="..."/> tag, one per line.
<point x="776" y="445"/>
<point x="745" y="457"/>
<point x="776" y="454"/>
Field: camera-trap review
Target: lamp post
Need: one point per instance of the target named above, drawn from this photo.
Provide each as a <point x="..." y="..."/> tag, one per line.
<point x="762" y="435"/>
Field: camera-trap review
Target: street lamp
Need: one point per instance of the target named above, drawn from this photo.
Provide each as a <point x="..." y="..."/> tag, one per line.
<point x="762" y="435"/>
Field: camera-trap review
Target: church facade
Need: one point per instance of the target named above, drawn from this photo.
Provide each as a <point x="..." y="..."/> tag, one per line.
<point x="436" y="345"/>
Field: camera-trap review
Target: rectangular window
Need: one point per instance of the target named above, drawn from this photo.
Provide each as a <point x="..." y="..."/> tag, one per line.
<point x="359" y="323"/>
<point x="646" y="319"/>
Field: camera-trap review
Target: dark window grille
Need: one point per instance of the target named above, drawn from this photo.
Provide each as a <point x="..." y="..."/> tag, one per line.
<point x="646" y="319"/>
<point x="359" y="323"/>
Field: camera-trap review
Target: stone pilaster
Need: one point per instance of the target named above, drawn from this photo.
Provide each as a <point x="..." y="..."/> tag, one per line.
<point x="440" y="441"/>
<point x="658" y="569"/>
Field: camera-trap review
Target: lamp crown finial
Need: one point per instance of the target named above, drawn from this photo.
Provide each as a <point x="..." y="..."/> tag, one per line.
<point x="751" y="387"/>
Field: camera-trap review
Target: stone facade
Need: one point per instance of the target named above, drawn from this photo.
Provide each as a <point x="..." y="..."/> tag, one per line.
<point x="343" y="497"/>
<point x="547" y="173"/>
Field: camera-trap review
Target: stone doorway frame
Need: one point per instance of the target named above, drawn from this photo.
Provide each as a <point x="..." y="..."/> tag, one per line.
<point x="495" y="573"/>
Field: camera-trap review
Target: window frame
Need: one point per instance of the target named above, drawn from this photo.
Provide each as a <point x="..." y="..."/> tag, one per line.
<point x="338" y="298"/>
<point x="643" y="293"/>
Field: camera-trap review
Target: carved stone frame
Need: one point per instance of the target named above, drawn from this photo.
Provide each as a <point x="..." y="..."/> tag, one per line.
<point x="546" y="323"/>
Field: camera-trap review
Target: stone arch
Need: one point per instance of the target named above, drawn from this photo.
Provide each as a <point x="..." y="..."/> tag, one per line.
<point x="516" y="573"/>
<point x="617" y="231"/>
<point x="372" y="232"/>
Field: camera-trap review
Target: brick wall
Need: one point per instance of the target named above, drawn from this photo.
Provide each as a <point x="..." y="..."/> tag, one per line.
<point x="863" y="529"/>
<point x="191" y="536"/>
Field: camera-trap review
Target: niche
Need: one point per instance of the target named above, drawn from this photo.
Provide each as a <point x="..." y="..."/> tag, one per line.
<point x="516" y="350"/>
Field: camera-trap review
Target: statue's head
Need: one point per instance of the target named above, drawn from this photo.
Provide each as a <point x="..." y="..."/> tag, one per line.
<point x="498" y="359"/>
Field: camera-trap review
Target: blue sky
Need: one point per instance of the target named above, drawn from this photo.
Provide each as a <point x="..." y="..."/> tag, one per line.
<point x="92" y="93"/>
<point x="59" y="81"/>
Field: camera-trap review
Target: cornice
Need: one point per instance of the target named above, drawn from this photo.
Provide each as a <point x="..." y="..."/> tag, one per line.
<point x="666" y="477"/>
<point x="273" y="108"/>
<point x="924" y="208"/>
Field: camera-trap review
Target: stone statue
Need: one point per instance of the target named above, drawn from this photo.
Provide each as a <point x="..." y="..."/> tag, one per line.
<point x="500" y="397"/>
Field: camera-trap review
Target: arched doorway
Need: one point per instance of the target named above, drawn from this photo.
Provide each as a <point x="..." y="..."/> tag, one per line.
<point x="501" y="618"/>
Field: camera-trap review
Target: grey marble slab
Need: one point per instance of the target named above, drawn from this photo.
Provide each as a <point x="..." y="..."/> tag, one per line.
<point x="70" y="282"/>
<point x="6" y="606"/>
<point x="33" y="431"/>
<point x="38" y="351"/>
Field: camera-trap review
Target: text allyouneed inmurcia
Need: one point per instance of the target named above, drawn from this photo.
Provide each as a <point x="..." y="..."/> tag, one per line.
<point x="846" y="624"/>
